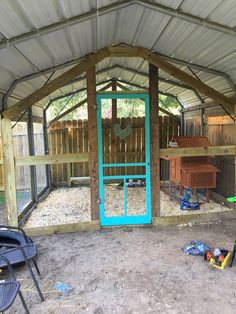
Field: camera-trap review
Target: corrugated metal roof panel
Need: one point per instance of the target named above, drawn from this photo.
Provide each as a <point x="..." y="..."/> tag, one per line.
<point x="200" y="8"/>
<point x="136" y="24"/>
<point x="174" y="4"/>
<point x="13" y="61"/>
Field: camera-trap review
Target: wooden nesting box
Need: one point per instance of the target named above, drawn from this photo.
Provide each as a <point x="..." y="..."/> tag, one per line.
<point x="192" y="172"/>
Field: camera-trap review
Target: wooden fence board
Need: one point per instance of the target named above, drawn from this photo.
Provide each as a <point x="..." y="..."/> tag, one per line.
<point x="131" y="149"/>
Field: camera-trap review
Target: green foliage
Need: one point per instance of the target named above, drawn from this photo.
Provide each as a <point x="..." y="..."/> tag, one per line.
<point x="66" y="103"/>
<point x="170" y="102"/>
<point x="125" y="107"/>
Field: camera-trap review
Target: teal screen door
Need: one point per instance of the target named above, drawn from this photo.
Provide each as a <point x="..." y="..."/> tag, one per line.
<point x="124" y="159"/>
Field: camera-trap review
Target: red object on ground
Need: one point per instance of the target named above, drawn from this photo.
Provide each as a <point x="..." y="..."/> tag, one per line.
<point x="221" y="258"/>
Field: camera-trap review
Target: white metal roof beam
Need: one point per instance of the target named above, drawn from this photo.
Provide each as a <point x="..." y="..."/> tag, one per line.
<point x="136" y="72"/>
<point x="201" y="68"/>
<point x="74" y="61"/>
<point x="160" y="92"/>
<point x="161" y="79"/>
<point x="114" y="51"/>
<point x="116" y="6"/>
<point x="33" y="75"/>
<point x="104" y="82"/>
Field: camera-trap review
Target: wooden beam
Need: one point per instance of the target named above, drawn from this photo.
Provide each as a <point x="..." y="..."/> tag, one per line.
<point x="157" y="222"/>
<point x="114" y="103"/>
<point x="167" y="153"/>
<point x="164" y="153"/>
<point x="160" y="109"/>
<point x="206" y="90"/>
<point x="169" y="114"/>
<point x="195" y="218"/>
<point x="169" y="68"/>
<point x="51" y="159"/>
<point x="9" y="172"/>
<point x="118" y="51"/>
<point x="81" y="103"/>
<point x="93" y="142"/>
<point x="128" y="91"/>
<point x="235" y="150"/>
<point x="63" y="114"/>
<point x="64" y="228"/>
<point x="55" y="84"/>
<point x="154" y="141"/>
<point x="202" y="121"/>
<point x="174" y="71"/>
<point x="121" y="86"/>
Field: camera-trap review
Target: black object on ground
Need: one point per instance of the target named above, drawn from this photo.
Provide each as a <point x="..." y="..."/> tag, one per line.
<point x="18" y="248"/>
<point x="9" y="289"/>
<point x="233" y="255"/>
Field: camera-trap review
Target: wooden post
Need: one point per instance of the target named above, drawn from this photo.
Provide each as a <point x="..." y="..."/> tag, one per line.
<point x="235" y="150"/>
<point x="114" y="103"/>
<point x="155" y="146"/>
<point x="93" y="142"/>
<point x="182" y="124"/>
<point x="202" y="127"/>
<point x="9" y="173"/>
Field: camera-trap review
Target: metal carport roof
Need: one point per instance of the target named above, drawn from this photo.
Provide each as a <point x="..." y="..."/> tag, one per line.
<point x="43" y="39"/>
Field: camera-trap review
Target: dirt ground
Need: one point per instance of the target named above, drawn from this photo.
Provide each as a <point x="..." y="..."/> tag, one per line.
<point x="68" y="205"/>
<point x="132" y="270"/>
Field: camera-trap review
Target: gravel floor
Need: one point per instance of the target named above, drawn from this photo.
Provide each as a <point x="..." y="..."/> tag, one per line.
<point x="68" y="205"/>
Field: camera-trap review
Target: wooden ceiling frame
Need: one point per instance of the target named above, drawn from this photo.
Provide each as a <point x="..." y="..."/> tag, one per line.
<point x="119" y="51"/>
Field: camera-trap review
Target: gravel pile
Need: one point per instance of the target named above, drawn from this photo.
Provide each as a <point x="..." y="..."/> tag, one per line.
<point x="70" y="205"/>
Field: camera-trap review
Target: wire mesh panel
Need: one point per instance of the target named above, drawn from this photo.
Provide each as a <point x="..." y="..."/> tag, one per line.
<point x="124" y="156"/>
<point x="136" y="197"/>
<point x="114" y="198"/>
<point x="198" y="184"/>
<point x="39" y="150"/>
<point x="123" y="136"/>
<point x="23" y="174"/>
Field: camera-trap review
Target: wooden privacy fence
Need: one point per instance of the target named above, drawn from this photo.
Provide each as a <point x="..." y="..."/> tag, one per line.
<point x="72" y="137"/>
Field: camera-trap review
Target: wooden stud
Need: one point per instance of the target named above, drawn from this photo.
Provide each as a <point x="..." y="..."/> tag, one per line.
<point x="81" y="103"/>
<point x="165" y="153"/>
<point x="118" y="51"/>
<point x="67" y="147"/>
<point x="157" y="222"/>
<point x="168" y="153"/>
<point x="9" y="173"/>
<point x="114" y="103"/>
<point x="103" y="53"/>
<point x="55" y="84"/>
<point x="51" y="159"/>
<point x="235" y="150"/>
<point x="63" y="228"/>
<point x="154" y="141"/>
<point x="86" y="147"/>
<point x="202" y="125"/>
<point x="125" y="91"/>
<point x="93" y="142"/>
<point x="160" y="109"/>
<point x="80" y="146"/>
<point x="169" y="68"/>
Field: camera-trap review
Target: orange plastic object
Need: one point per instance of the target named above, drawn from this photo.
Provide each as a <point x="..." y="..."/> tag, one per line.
<point x="209" y="255"/>
<point x="192" y="172"/>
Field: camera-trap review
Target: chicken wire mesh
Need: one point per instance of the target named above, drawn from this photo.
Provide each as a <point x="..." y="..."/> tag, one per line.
<point x="204" y="181"/>
<point x="124" y="136"/>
